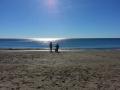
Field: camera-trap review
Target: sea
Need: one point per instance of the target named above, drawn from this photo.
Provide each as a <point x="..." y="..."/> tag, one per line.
<point x="69" y="43"/>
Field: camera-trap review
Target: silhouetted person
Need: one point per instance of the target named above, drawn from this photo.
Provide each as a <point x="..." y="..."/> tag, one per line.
<point x="57" y="48"/>
<point x="50" y="45"/>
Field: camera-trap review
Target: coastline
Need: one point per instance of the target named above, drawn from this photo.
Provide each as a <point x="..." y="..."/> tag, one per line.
<point x="62" y="50"/>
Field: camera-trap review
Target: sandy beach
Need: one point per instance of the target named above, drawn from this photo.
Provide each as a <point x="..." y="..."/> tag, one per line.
<point x="39" y="70"/>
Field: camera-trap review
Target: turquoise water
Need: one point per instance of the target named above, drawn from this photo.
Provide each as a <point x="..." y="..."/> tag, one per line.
<point x="64" y="43"/>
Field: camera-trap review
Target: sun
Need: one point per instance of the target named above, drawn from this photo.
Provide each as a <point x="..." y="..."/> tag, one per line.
<point x="51" y="4"/>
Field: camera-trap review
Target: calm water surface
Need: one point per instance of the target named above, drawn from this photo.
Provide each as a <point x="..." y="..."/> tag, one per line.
<point x="64" y="43"/>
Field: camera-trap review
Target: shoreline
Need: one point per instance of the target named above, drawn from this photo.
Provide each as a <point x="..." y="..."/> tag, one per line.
<point x="60" y="50"/>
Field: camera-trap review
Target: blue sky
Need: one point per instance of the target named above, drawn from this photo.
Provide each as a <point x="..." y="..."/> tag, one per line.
<point x="60" y="18"/>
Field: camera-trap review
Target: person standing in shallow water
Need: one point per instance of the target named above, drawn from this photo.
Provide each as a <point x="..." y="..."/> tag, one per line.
<point x="50" y="45"/>
<point x="57" y="48"/>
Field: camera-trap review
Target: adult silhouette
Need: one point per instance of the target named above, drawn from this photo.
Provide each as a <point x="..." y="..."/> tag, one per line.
<point x="57" y="48"/>
<point x="50" y="45"/>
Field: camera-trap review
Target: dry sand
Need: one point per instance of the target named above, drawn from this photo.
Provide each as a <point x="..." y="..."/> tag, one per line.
<point x="85" y="70"/>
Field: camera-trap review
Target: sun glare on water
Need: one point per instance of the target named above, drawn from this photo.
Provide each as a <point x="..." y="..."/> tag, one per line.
<point x="45" y="39"/>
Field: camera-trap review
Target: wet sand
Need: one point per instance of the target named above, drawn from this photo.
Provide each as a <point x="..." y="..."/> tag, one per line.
<point x="83" y="70"/>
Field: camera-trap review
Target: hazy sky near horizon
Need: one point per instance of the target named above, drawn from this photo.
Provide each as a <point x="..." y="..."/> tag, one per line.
<point x="60" y="18"/>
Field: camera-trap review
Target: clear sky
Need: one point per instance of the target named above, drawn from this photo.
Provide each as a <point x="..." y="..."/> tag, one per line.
<point x="60" y="18"/>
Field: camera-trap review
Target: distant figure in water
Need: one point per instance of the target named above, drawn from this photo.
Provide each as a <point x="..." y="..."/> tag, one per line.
<point x="57" y="48"/>
<point x="50" y="45"/>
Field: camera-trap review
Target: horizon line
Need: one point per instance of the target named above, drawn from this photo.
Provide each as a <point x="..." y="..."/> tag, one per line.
<point x="62" y="38"/>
